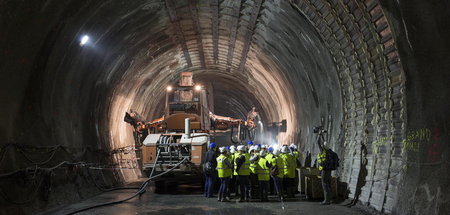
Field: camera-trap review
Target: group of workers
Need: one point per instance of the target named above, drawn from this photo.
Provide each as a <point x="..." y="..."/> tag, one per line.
<point x="254" y="168"/>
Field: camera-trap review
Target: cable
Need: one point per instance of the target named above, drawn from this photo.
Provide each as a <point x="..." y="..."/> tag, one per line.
<point x="139" y="192"/>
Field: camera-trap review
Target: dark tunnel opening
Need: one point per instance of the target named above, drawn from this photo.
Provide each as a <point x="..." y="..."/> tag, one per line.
<point x="351" y="66"/>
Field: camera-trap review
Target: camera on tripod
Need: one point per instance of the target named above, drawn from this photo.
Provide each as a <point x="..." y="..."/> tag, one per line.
<point x="319" y="129"/>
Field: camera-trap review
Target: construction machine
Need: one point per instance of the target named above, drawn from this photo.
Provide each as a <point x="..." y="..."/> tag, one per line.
<point x="184" y="131"/>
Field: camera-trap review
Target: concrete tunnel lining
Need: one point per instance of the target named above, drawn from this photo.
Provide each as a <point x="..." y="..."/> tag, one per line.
<point x="331" y="62"/>
<point x="261" y="80"/>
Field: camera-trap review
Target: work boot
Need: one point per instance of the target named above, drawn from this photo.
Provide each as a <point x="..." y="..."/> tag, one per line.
<point x="325" y="203"/>
<point x="219" y="197"/>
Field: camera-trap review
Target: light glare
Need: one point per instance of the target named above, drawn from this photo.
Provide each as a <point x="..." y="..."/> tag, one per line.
<point x="198" y="87"/>
<point x="169" y="88"/>
<point x="84" y="40"/>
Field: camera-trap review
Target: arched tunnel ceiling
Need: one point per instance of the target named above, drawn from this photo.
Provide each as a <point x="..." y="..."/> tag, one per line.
<point x="331" y="62"/>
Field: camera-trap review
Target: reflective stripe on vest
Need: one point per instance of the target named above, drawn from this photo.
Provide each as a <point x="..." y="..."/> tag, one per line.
<point x="321" y="159"/>
<point x="262" y="170"/>
<point x="244" y="170"/>
<point x="223" y="170"/>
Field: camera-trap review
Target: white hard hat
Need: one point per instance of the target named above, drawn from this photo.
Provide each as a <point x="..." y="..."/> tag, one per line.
<point x="264" y="147"/>
<point x="257" y="147"/>
<point x="232" y="150"/>
<point x="240" y="148"/>
<point x="276" y="151"/>
<point x="262" y="153"/>
<point x="293" y="146"/>
<point x="284" y="149"/>
<point x="232" y="147"/>
<point x="251" y="149"/>
<point x="222" y="149"/>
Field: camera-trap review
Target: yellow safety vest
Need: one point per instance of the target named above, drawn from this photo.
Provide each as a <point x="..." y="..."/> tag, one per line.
<point x="278" y="161"/>
<point x="290" y="164"/>
<point x="244" y="170"/>
<point x="253" y="166"/>
<point x="262" y="170"/>
<point x="223" y="170"/>
<point x="235" y="156"/>
<point x="297" y="155"/>
<point x="269" y="157"/>
<point x="321" y="159"/>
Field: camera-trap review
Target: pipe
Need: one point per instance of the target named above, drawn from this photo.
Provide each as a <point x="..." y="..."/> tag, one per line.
<point x="187" y="127"/>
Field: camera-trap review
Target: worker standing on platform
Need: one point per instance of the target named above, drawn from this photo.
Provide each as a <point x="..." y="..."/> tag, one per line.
<point x="242" y="164"/>
<point x="224" y="170"/>
<point x="209" y="169"/>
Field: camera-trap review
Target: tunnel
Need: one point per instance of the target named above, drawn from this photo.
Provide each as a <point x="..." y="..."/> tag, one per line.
<point x="372" y="72"/>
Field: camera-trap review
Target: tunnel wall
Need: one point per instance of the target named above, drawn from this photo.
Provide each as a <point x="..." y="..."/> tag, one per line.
<point x="422" y="31"/>
<point x="360" y="39"/>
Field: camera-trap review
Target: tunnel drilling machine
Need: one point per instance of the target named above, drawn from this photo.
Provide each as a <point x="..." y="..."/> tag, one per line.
<point x="183" y="133"/>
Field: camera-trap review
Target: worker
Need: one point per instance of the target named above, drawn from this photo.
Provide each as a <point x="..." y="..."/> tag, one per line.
<point x="241" y="165"/>
<point x="277" y="173"/>
<point x="251" y="116"/>
<point x="235" y="174"/>
<point x="263" y="171"/>
<point x="253" y="175"/>
<point x="230" y="156"/>
<point x="269" y="157"/>
<point x="297" y="157"/>
<point x="289" y="171"/>
<point x="325" y="173"/>
<point x="224" y="169"/>
<point x="209" y="169"/>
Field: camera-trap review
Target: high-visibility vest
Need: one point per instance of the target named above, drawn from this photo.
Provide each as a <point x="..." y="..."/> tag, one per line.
<point x="235" y="156"/>
<point x="269" y="157"/>
<point x="297" y="156"/>
<point x="262" y="169"/>
<point x="244" y="170"/>
<point x="252" y="167"/>
<point x="278" y="161"/>
<point x="289" y="164"/>
<point x="321" y="159"/>
<point x="223" y="170"/>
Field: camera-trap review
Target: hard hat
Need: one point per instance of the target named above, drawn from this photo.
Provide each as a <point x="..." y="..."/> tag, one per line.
<point x="262" y="153"/>
<point x="284" y="149"/>
<point x="227" y="148"/>
<point x="264" y="146"/>
<point x="232" y="147"/>
<point x="258" y="147"/>
<point x="212" y="145"/>
<point x="232" y="150"/>
<point x="250" y="149"/>
<point x="276" y="151"/>
<point x="222" y="149"/>
<point x="293" y="146"/>
<point x="250" y="142"/>
<point x="270" y="149"/>
<point x="240" y="148"/>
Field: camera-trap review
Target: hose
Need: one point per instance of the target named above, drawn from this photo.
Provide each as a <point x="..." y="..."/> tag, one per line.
<point x="139" y="192"/>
